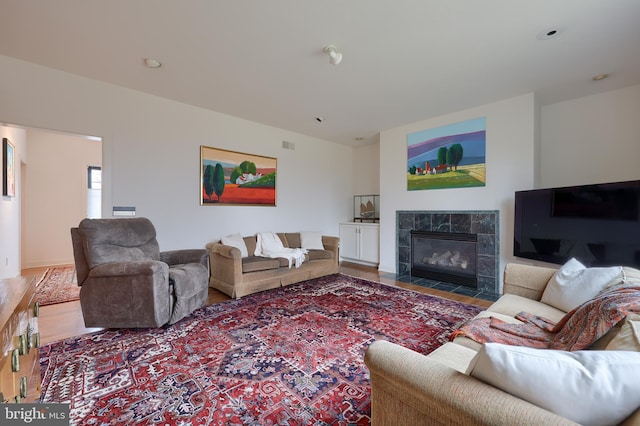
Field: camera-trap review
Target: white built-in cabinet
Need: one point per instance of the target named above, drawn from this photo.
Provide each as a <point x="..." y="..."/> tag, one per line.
<point x="360" y="242"/>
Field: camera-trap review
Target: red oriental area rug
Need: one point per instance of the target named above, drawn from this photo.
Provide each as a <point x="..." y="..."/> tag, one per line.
<point x="290" y="356"/>
<point x="58" y="285"/>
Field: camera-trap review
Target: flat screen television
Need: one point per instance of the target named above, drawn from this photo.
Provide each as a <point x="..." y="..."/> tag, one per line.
<point x="597" y="224"/>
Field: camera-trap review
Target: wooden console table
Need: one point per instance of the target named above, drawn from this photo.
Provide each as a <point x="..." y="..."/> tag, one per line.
<point x="20" y="362"/>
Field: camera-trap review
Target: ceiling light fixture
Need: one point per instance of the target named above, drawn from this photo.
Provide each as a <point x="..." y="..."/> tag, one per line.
<point x="152" y="63"/>
<point x="599" y="77"/>
<point x="334" y="56"/>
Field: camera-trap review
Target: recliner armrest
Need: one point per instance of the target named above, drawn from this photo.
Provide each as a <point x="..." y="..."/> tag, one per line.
<point x="123" y="269"/>
<point x="180" y="257"/>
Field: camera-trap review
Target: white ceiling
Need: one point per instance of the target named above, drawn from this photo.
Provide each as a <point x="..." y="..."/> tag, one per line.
<point x="404" y="60"/>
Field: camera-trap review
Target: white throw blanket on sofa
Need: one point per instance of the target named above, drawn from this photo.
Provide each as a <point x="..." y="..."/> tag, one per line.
<point x="268" y="244"/>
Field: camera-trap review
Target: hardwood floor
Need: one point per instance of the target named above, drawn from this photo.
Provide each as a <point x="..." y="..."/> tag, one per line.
<point x="64" y="320"/>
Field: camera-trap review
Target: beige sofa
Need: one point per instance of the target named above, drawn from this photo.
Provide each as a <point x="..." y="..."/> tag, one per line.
<point x="409" y="388"/>
<point x="239" y="276"/>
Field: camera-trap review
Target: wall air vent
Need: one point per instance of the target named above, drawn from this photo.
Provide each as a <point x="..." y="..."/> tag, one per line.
<point x="288" y="145"/>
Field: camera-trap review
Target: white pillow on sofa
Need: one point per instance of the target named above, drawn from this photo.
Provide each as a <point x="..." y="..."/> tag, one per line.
<point x="573" y="284"/>
<point x="311" y="240"/>
<point x="236" y="240"/>
<point x="588" y="387"/>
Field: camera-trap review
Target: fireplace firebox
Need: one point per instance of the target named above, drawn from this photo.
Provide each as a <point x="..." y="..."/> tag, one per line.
<point x="445" y="256"/>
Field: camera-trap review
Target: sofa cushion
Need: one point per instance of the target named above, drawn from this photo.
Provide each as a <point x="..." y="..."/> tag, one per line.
<point x="311" y="240"/>
<point x="454" y="356"/>
<point x="506" y="318"/>
<point x="291" y="239"/>
<point x="602" y="343"/>
<point x="630" y="278"/>
<point x="257" y="263"/>
<point x="250" y="242"/>
<point x="573" y="284"/>
<point x="511" y="305"/>
<point x="236" y="240"/>
<point x="628" y="338"/>
<point x="588" y="387"/>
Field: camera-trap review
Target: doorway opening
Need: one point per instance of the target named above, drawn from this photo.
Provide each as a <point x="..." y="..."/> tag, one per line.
<point x="63" y="185"/>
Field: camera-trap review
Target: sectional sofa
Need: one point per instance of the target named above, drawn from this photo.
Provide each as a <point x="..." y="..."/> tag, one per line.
<point x="443" y="388"/>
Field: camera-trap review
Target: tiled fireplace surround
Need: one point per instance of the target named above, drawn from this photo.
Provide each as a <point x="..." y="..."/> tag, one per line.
<point x="483" y="222"/>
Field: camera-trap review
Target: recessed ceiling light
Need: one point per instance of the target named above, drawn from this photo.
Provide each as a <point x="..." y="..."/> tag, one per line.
<point x="152" y="63"/>
<point x="359" y="138"/>
<point x="599" y="77"/>
<point x="549" y="33"/>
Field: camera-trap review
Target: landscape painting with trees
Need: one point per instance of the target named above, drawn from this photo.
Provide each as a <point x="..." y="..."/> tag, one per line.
<point x="452" y="156"/>
<point x="236" y="178"/>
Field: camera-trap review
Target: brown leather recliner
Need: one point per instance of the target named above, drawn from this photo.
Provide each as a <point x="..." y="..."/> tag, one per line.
<point x="127" y="282"/>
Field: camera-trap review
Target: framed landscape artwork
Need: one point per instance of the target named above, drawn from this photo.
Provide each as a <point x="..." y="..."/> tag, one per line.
<point x="452" y="156"/>
<point x="236" y="178"/>
<point x="8" y="168"/>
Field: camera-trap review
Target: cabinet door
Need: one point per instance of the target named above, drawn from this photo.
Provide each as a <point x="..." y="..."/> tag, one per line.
<point x="349" y="241"/>
<point x="370" y="243"/>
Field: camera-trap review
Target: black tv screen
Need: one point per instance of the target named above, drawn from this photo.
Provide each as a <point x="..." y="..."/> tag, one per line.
<point x="597" y="224"/>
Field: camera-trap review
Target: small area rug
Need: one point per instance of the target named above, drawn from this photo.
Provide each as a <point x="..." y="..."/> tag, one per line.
<point x="58" y="285"/>
<point x="289" y="356"/>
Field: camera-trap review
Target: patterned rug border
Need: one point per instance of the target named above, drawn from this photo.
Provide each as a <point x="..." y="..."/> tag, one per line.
<point x="238" y="376"/>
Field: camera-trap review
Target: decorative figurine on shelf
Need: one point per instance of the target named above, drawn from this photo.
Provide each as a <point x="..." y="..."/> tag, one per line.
<point x="366" y="208"/>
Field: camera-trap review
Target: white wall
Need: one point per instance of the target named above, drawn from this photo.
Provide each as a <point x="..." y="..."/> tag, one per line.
<point x="10" y="206"/>
<point x="151" y="156"/>
<point x="56" y="177"/>
<point x="509" y="167"/>
<point x="593" y="139"/>
<point x="366" y="171"/>
<point x="151" y="159"/>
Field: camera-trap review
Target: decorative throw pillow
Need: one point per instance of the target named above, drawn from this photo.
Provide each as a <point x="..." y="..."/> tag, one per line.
<point x="630" y="278"/>
<point x="588" y="387"/>
<point x="311" y="240"/>
<point x="236" y="240"/>
<point x="573" y="284"/>
<point x="628" y="338"/>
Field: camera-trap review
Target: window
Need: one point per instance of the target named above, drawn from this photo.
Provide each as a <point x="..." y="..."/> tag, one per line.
<point x="94" y="192"/>
<point x="95" y="177"/>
